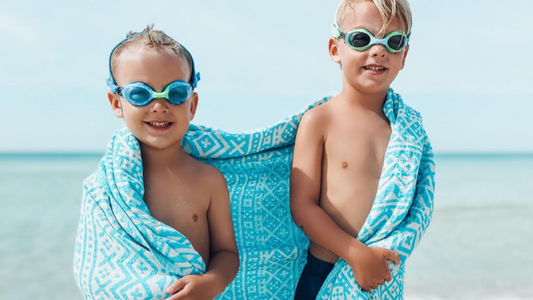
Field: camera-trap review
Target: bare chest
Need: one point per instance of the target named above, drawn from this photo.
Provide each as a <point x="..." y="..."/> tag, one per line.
<point x="351" y="169"/>
<point x="356" y="152"/>
<point x="181" y="204"/>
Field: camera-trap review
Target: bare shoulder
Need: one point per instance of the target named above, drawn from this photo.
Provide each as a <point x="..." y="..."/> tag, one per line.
<point x="209" y="177"/>
<point x="317" y="117"/>
<point x="315" y="121"/>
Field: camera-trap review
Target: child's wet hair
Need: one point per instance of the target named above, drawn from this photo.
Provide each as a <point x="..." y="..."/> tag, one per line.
<point x="388" y="9"/>
<point x="151" y="38"/>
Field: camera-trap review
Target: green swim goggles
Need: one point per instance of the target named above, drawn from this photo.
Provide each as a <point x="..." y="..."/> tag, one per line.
<point x="361" y="39"/>
<point x="140" y="94"/>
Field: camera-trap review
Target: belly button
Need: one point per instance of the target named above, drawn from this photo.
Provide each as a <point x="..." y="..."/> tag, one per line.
<point x="344" y="165"/>
<point x="195" y="217"/>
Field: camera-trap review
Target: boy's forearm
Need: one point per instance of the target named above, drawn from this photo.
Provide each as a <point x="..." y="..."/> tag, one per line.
<point x="321" y="229"/>
<point x="222" y="269"/>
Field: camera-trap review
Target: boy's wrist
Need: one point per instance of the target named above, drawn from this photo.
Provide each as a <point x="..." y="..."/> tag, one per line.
<point x="216" y="283"/>
<point x="353" y="250"/>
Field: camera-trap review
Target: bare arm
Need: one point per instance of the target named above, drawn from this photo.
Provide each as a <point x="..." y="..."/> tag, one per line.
<point x="305" y="188"/>
<point x="369" y="264"/>
<point x="224" y="263"/>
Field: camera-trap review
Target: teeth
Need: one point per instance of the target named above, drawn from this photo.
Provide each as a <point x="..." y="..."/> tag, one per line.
<point x="375" y="68"/>
<point x="156" y="124"/>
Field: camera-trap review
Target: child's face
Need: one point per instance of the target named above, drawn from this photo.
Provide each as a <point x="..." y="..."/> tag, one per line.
<point x="370" y="71"/>
<point x="159" y="124"/>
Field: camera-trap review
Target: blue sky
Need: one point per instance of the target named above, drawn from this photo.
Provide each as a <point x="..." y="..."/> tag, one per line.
<point x="469" y="69"/>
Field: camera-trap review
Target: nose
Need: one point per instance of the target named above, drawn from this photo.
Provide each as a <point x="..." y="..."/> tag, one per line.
<point x="378" y="51"/>
<point x="159" y="105"/>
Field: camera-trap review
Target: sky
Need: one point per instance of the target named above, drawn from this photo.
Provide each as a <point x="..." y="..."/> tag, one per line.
<point x="468" y="70"/>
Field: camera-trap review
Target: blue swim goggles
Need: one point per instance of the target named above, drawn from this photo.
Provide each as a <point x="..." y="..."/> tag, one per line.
<point x="361" y="39"/>
<point x="140" y="94"/>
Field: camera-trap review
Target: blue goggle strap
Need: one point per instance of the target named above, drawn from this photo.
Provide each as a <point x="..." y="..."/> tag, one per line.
<point x="112" y="84"/>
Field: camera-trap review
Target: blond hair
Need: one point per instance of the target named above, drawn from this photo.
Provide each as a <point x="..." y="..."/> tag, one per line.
<point x="388" y="9"/>
<point x="152" y="39"/>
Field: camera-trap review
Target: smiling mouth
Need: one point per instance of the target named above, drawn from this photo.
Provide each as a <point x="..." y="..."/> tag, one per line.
<point x="159" y="125"/>
<point x="375" y="69"/>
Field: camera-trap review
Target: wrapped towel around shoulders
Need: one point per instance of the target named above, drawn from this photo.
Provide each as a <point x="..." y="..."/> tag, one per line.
<point x="402" y="208"/>
<point x="123" y="253"/>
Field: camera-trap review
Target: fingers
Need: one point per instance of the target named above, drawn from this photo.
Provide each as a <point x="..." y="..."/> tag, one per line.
<point x="388" y="278"/>
<point x="392" y="256"/>
<point x="176" y="286"/>
<point x="177" y="296"/>
<point x="366" y="288"/>
<point x="370" y="287"/>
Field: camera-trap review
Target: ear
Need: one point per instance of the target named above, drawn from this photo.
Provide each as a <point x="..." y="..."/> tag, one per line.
<point x="194" y="105"/>
<point x="334" y="51"/>
<point x="114" y="101"/>
<point x="405" y="55"/>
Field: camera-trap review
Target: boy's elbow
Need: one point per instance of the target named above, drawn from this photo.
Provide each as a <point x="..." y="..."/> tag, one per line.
<point x="296" y="213"/>
<point x="236" y="266"/>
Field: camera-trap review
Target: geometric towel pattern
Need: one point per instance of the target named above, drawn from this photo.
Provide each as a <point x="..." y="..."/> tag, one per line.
<point x="402" y="208"/>
<point x="121" y="251"/>
<point x="256" y="165"/>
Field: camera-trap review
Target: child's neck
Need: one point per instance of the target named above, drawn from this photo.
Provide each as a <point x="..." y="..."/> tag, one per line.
<point x="162" y="158"/>
<point x="368" y="101"/>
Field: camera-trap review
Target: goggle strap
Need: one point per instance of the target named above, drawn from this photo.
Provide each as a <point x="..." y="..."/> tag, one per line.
<point x="112" y="84"/>
<point x="195" y="76"/>
<point x="335" y="31"/>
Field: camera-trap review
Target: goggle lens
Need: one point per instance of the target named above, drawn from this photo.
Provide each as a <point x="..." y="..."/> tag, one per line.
<point x="396" y="42"/>
<point x="178" y="94"/>
<point x="360" y="40"/>
<point x="138" y="95"/>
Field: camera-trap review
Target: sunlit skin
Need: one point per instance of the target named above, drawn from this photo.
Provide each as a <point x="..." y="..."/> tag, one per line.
<point x="188" y="195"/>
<point x="339" y="153"/>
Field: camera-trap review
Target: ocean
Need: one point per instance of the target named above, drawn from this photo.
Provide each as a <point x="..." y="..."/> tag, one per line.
<point x="478" y="245"/>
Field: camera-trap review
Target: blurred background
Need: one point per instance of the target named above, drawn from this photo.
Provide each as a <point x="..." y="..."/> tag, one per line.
<point x="468" y="72"/>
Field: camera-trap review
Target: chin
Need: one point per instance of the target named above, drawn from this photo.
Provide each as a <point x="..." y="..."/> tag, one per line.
<point x="372" y="90"/>
<point x="155" y="145"/>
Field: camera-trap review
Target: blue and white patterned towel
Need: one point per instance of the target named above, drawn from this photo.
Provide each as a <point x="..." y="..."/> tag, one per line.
<point x="256" y="165"/>
<point x="402" y="207"/>
<point x="272" y="249"/>
<point x="122" y="252"/>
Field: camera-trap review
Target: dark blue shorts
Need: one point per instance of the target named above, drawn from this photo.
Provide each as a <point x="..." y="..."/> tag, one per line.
<point x="313" y="276"/>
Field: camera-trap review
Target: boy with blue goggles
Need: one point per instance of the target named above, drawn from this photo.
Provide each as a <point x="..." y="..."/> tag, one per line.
<point x="140" y="94"/>
<point x="156" y="208"/>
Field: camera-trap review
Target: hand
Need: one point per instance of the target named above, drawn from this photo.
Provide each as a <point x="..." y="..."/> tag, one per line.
<point x="192" y="287"/>
<point x="370" y="266"/>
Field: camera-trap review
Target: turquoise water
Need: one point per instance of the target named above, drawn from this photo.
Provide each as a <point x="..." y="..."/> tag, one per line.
<point x="477" y="246"/>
